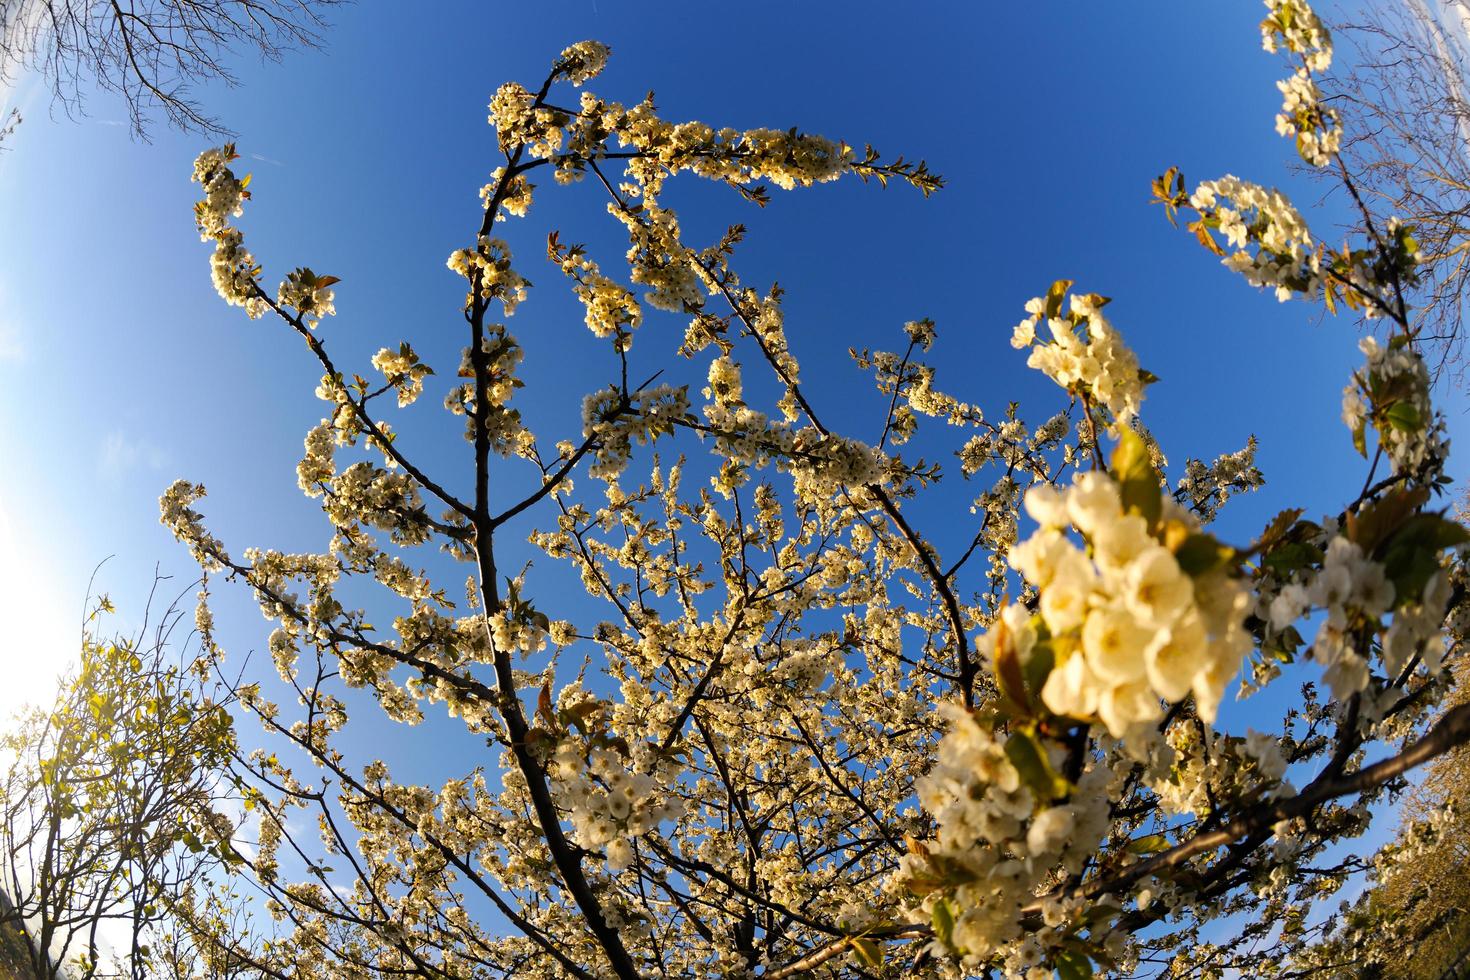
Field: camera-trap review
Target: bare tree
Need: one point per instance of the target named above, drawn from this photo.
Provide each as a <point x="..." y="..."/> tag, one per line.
<point x="151" y="52"/>
<point x="1409" y="149"/>
<point x="8" y="121"/>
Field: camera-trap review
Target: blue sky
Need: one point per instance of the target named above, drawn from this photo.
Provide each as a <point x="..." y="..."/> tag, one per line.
<point x="120" y="369"/>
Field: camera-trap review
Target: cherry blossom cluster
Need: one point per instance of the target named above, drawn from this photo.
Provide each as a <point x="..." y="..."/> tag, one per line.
<point x="823" y="463"/>
<point x="1349" y="586"/>
<point x="1418" y="629"/>
<point x="819" y="462"/>
<point x="1391" y="393"/>
<point x="502" y="355"/>
<point x="516" y="194"/>
<point x="309" y="294"/>
<point x="616" y="422"/>
<point x="1250" y="216"/>
<point x="520" y="632"/>
<point x="519" y="121"/>
<point x="488" y="265"/>
<point x="1084" y="354"/>
<point x="1127" y="626"/>
<point x="725" y="385"/>
<point x="187" y="524"/>
<point x="317" y="465"/>
<point x="609" y="805"/>
<point x="910" y="383"/>
<point x="1355" y="593"/>
<point x="378" y="497"/>
<point x="1292" y="25"/>
<point x="1208" y="488"/>
<point x="1274" y="248"/>
<point x="998" y="845"/>
<point x="659" y="260"/>
<point x="1414" y="839"/>
<point x="583" y="61"/>
<point x="1316" y="127"/>
<point x="232" y="266"/>
<point x="611" y="307"/>
<point x="404" y="372"/>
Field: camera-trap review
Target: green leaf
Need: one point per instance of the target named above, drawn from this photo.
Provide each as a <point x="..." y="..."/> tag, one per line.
<point x="1137" y="479"/>
<point x="1072" y="965"/>
<point x="1290" y="556"/>
<point x="1037" y="668"/>
<point x="1008" y="675"/>
<point x="1288" y="642"/>
<point x="577" y="715"/>
<point x="1431" y="532"/>
<point x="1202" y="233"/>
<point x="1201" y="554"/>
<point x="1029" y="757"/>
<point x="1404" y="417"/>
<point x="943" y="920"/>
<point x="868" y="951"/>
<point x="1054" y="297"/>
<point x="1377" y="522"/>
<point x="1360" y="439"/>
<point x="1149" y="844"/>
<point x="1277" y="529"/>
<point x="1411" y="555"/>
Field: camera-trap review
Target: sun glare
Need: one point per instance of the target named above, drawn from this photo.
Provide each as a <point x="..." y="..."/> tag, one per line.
<point x="41" y="626"/>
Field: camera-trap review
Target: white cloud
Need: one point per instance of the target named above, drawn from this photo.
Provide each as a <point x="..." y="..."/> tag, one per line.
<point x="121" y="454"/>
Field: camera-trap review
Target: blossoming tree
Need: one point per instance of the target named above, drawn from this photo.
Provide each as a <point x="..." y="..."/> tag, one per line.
<point x="810" y="737"/>
<point x="108" y="823"/>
